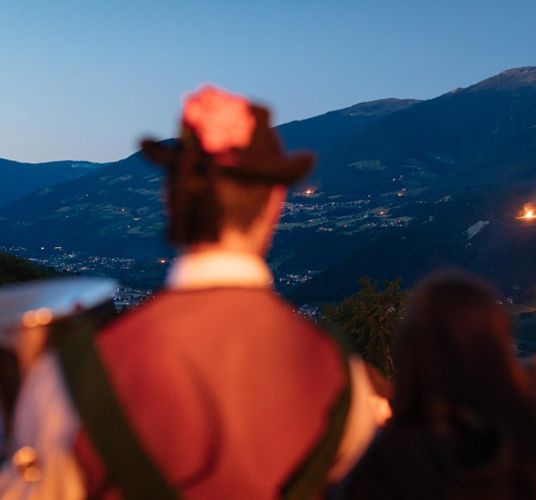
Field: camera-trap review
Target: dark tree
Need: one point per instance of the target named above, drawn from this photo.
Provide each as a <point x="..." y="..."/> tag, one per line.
<point x="370" y="319"/>
<point x="14" y="269"/>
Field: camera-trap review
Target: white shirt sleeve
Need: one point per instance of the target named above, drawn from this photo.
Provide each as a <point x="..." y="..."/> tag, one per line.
<point x="45" y="421"/>
<point x="360" y="424"/>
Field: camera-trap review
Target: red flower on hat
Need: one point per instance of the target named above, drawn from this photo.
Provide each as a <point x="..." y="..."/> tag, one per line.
<point x="221" y="121"/>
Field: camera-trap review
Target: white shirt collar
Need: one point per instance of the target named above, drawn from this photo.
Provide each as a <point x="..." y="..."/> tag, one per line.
<point x="218" y="268"/>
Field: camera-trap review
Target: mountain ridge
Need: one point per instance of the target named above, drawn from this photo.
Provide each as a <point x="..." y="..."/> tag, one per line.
<point x="20" y="178"/>
<point x="398" y="188"/>
<point x="511" y="78"/>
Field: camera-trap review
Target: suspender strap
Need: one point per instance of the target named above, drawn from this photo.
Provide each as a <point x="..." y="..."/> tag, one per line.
<point x="107" y="425"/>
<point x="309" y="480"/>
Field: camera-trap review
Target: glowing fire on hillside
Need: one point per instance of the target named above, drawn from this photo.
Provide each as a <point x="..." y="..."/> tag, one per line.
<point x="528" y="213"/>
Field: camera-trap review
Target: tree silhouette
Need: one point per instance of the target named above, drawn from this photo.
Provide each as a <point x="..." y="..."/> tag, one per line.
<point x="15" y="269"/>
<point x="370" y="319"/>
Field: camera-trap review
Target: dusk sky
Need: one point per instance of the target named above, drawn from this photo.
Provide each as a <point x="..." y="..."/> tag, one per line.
<point x="86" y="79"/>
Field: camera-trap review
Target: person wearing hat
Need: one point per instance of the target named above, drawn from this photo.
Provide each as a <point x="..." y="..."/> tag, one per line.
<point x="216" y="388"/>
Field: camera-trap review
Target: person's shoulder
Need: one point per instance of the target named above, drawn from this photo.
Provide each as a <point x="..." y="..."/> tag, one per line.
<point x="241" y="315"/>
<point x="147" y="319"/>
<point x="160" y="308"/>
<point x="280" y="309"/>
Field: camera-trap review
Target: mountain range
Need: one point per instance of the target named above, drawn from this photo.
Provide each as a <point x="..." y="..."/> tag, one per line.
<point x="19" y="179"/>
<point x="116" y="210"/>
<point x="401" y="187"/>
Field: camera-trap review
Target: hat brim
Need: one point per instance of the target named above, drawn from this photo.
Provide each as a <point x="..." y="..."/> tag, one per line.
<point x="162" y="153"/>
<point x="288" y="169"/>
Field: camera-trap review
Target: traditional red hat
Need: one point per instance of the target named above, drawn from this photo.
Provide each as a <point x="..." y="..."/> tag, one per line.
<point x="230" y="133"/>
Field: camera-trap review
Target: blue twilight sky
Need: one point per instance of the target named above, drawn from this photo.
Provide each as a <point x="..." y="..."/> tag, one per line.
<point x="84" y="79"/>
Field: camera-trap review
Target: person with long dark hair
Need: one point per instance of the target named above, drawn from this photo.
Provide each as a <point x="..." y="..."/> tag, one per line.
<point x="463" y="423"/>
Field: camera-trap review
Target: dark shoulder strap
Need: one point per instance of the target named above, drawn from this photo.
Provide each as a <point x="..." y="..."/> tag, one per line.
<point x="310" y="479"/>
<point x="107" y="425"/>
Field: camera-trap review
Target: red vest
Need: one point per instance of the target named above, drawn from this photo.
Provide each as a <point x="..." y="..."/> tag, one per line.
<point x="227" y="389"/>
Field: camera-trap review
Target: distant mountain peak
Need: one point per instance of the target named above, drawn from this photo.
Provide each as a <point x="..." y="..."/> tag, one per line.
<point x="511" y="78"/>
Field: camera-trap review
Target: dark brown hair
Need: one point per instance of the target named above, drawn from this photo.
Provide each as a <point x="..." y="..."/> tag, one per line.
<point x="201" y="200"/>
<point x="456" y="352"/>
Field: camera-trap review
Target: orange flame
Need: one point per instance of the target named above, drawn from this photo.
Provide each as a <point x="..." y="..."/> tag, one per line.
<point x="528" y="212"/>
